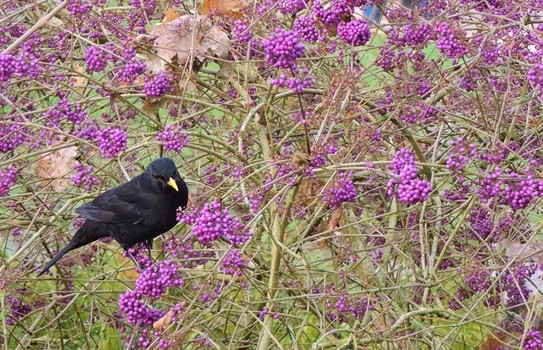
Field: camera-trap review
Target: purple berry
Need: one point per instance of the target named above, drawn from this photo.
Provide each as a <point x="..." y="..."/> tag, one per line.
<point x="173" y="138"/>
<point x="355" y="32"/>
<point x="112" y="142"/>
<point x="96" y="60"/>
<point x="342" y="191"/>
<point x="283" y="48"/>
<point x="233" y="263"/>
<point x="157" y="86"/>
<point x="7" y="179"/>
<point x="83" y="178"/>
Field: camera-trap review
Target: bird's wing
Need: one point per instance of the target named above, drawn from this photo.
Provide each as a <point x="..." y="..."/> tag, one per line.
<point x="117" y="206"/>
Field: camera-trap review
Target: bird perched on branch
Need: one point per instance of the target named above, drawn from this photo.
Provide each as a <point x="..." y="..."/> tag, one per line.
<point x="134" y="212"/>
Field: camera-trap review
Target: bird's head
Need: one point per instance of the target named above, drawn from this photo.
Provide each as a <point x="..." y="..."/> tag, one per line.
<point x="163" y="173"/>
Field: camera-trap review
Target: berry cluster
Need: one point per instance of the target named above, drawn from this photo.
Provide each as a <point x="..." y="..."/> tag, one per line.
<point x="157" y="86"/>
<point x="496" y="155"/>
<point x="142" y="12"/>
<point x="410" y="189"/>
<point x="112" y="141"/>
<point x="356" y="306"/>
<point x="403" y="165"/>
<point x="88" y="130"/>
<point x="7" y="67"/>
<point x="490" y="186"/>
<point x="263" y="313"/>
<point x="136" y="311"/>
<point x="343" y="191"/>
<point x="518" y="194"/>
<point x="255" y="201"/>
<point x="481" y="224"/>
<point x="131" y="71"/>
<point x="335" y="12"/>
<point x="479" y="280"/>
<point x="213" y="222"/>
<point x="154" y="281"/>
<point x="291" y="6"/>
<point x="139" y="252"/>
<point x="95" y="59"/>
<point x="282" y="48"/>
<point x="79" y="8"/>
<point x="448" y="42"/>
<point x="419" y="111"/>
<point x="83" y="177"/>
<point x="64" y="110"/>
<point x="460" y="155"/>
<point x="241" y="32"/>
<point x="211" y="177"/>
<point x="7" y="179"/>
<point x="295" y="83"/>
<point x="18" y="309"/>
<point x="342" y="306"/>
<point x="173" y="138"/>
<point x="533" y="340"/>
<point x="412" y="34"/>
<point x="414" y="191"/>
<point x="356" y="32"/>
<point x="233" y="263"/>
<point x="305" y="26"/>
<point x="491" y="54"/>
<point x="176" y="310"/>
<point x="11" y="136"/>
<point x="203" y="340"/>
<point x="534" y="76"/>
<point x="515" y="283"/>
<point x="144" y="339"/>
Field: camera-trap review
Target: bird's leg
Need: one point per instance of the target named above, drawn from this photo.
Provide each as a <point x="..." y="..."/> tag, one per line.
<point x="133" y="258"/>
<point x="149" y="245"/>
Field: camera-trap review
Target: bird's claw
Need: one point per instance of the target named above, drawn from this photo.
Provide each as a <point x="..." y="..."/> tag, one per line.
<point x="137" y="265"/>
<point x="149" y="245"/>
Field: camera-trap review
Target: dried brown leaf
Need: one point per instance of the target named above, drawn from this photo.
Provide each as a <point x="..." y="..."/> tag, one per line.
<point x="335" y="218"/>
<point x="493" y="342"/>
<point x="532" y="251"/>
<point x="216" y="42"/>
<point x="163" y="322"/>
<point x="79" y="81"/>
<point x="54" y="167"/>
<point x="187" y="38"/>
<point x="309" y="189"/>
<point x="299" y="159"/>
<point x="186" y="86"/>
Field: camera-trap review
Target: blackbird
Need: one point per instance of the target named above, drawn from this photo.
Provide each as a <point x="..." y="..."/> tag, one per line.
<point x="134" y="212"/>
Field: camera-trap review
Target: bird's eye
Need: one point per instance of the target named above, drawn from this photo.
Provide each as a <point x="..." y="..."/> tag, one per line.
<point x="160" y="177"/>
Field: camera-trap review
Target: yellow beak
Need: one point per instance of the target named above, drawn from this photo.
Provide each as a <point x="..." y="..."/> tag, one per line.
<point x="171" y="183"/>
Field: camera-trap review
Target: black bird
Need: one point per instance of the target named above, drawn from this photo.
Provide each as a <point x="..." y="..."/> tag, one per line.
<point x="137" y="211"/>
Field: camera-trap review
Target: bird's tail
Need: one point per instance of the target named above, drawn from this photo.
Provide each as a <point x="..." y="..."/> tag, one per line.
<point x="88" y="233"/>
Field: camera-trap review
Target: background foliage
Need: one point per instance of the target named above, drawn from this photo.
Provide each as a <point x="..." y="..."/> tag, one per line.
<point x="353" y="184"/>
